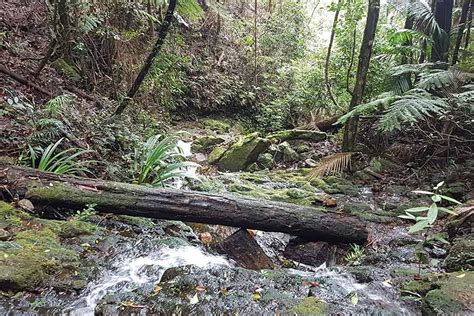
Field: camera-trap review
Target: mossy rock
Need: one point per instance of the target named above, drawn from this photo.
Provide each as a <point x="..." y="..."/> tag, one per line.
<point x="310" y="306"/>
<point x="447" y="294"/>
<point x="206" y="143"/>
<point x="295" y="134"/>
<point x="216" y="154"/>
<point x="11" y="216"/>
<point x="243" y="153"/>
<point x="461" y="255"/>
<point x="66" y="70"/>
<point x="289" y="154"/>
<point x="68" y="229"/>
<point x="35" y="262"/>
<point x="216" y="125"/>
<point x="266" y="160"/>
<point x="381" y="165"/>
<point x="336" y="185"/>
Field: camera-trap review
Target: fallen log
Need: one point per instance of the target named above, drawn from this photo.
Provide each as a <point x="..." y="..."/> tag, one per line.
<point x="24" y="81"/>
<point x="67" y="192"/>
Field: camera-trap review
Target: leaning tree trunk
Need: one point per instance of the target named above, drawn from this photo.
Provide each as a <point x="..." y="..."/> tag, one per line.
<point x="49" y="190"/>
<point x="443" y="13"/>
<point x="350" y="130"/>
<point x="461" y="28"/>
<point x="468" y="27"/>
<point x="150" y="59"/>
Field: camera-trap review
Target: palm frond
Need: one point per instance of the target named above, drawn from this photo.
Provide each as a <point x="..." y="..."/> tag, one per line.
<point x="333" y="164"/>
<point x="424" y="19"/>
<point x="381" y="103"/>
<point x="447" y="80"/>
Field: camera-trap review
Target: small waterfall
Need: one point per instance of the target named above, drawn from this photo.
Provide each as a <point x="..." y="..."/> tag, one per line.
<point x="133" y="271"/>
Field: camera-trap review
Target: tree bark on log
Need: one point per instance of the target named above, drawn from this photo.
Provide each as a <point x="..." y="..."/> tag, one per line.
<point x="67" y="192"/>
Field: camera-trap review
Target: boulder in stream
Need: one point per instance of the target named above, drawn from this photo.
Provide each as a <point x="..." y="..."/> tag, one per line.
<point x="243" y="153"/>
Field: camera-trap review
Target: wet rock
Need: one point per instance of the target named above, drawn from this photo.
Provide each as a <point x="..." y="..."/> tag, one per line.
<point x="382" y="165"/>
<point x="294" y="134"/>
<point x="243" y="153"/>
<point x="216" y="125"/>
<point x="461" y="255"/>
<point x="313" y="253"/>
<point x="243" y="248"/>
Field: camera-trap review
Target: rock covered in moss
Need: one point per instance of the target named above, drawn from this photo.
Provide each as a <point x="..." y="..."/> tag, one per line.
<point x="295" y="134"/>
<point x="243" y="153"/>
<point x="216" y="154"/>
<point x="289" y="154"/>
<point x="461" y="255"/>
<point x="310" y="306"/>
<point x="216" y="125"/>
<point x="266" y="160"/>
<point x="206" y="143"/>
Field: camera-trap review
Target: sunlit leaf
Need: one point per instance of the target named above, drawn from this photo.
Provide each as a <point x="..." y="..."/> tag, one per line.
<point x="432" y="213"/>
<point x="418" y="226"/>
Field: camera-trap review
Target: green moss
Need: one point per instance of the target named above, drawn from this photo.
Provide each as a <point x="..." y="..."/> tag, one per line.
<point x="293" y="134"/>
<point x="36" y="260"/>
<point x="206" y="143"/>
<point x="66" y="70"/>
<point x="64" y="192"/>
<point x="12" y="217"/>
<point x="451" y="293"/>
<point x="216" y="154"/>
<point x="311" y="306"/>
<point x="68" y="229"/>
<point x="216" y="125"/>
<point x="461" y="255"/>
<point x="243" y="153"/>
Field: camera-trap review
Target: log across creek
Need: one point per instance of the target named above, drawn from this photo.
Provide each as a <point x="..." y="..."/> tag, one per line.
<point x="50" y="190"/>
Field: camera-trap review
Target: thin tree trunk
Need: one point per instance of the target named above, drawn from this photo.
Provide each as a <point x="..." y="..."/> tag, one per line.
<point x="468" y="26"/>
<point x="461" y="28"/>
<point x="350" y="129"/>
<point x="443" y="13"/>
<point x="255" y="8"/>
<point x="328" y="55"/>
<point x="150" y="59"/>
<point x="408" y="26"/>
<point x="351" y="62"/>
<point x="48" y="190"/>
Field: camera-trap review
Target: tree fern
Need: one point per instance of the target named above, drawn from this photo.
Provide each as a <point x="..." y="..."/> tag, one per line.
<point x="423" y="18"/>
<point x="450" y="79"/>
<point x="381" y="103"/>
<point x="410" y="108"/>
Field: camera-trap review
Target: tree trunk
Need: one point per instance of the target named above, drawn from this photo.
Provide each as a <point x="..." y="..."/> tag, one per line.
<point x="150" y="59"/>
<point x="443" y="12"/>
<point x="408" y="26"/>
<point x="350" y="130"/>
<point x="461" y="28"/>
<point x="468" y="26"/>
<point x="328" y="55"/>
<point x="65" y="193"/>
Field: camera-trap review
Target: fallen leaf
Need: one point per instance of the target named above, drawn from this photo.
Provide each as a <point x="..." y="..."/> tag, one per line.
<point x="355" y="299"/>
<point x="387" y="283"/>
<point x="256" y="296"/>
<point x="200" y="288"/>
<point x="194" y="299"/>
<point x="330" y="202"/>
<point x="461" y="275"/>
<point x="310" y="284"/>
<point x="157" y="289"/>
<point x="26" y="205"/>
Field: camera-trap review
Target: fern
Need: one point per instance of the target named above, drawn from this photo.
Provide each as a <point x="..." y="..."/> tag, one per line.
<point x="332" y="164"/>
<point x="449" y="80"/>
<point x="56" y="105"/>
<point x="381" y="103"/>
<point x="423" y="18"/>
<point x="410" y="108"/>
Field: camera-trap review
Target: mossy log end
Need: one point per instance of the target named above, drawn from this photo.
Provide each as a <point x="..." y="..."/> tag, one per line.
<point x="66" y="192"/>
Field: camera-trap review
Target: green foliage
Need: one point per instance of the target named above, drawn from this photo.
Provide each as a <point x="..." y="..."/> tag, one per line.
<point x="159" y="161"/>
<point x="64" y="162"/>
<point x="355" y="255"/>
<point x="86" y="213"/>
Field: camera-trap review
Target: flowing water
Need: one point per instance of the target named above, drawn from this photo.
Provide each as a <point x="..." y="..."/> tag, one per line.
<point x="128" y="273"/>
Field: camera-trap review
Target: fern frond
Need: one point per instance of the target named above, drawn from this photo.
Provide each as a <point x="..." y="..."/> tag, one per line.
<point x="333" y="164"/>
<point x="449" y="80"/>
<point x="412" y="107"/>
<point x="382" y="102"/>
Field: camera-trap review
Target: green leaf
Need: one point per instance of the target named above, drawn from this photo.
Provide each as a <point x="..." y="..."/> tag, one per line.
<point x="354" y="299"/>
<point x="409" y="216"/>
<point x="439" y="185"/>
<point x="432" y="213"/>
<point x="417" y="209"/>
<point x="436" y="198"/>
<point x="446" y="210"/>
<point x="418" y="226"/>
<point x="447" y="198"/>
